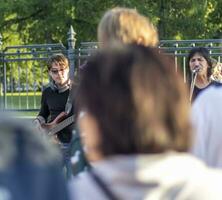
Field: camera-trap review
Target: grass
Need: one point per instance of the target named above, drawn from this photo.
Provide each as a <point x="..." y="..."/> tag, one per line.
<point x="23" y="102"/>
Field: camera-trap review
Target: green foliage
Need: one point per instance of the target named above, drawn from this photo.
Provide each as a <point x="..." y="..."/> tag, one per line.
<point x="214" y="19"/>
<point x="48" y="21"/>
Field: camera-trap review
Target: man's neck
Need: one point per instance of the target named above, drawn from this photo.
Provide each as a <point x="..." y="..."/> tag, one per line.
<point x="63" y="85"/>
<point x="202" y="82"/>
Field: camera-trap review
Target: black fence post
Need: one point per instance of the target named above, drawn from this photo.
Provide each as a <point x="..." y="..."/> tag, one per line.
<point x="71" y="49"/>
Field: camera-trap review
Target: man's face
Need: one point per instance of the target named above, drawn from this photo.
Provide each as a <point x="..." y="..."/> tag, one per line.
<point x="200" y="61"/>
<point x="59" y="74"/>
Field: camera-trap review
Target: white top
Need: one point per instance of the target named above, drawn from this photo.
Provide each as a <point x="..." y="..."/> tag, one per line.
<point x="176" y="176"/>
<point x="207" y="122"/>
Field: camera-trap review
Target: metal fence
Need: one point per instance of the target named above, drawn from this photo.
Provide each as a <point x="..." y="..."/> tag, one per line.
<point x="180" y="50"/>
<point x="23" y="72"/>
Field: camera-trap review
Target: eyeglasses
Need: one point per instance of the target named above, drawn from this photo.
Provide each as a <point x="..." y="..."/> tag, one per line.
<point x="56" y="71"/>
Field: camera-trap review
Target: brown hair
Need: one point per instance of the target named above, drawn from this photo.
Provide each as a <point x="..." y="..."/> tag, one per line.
<point x="58" y="58"/>
<point x="124" y="25"/>
<point x="138" y="101"/>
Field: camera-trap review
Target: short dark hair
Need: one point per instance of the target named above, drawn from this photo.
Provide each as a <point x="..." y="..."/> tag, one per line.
<point x="58" y="58"/>
<point x="137" y="99"/>
<point x="203" y="52"/>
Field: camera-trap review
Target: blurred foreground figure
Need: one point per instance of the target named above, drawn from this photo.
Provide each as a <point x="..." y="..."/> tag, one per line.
<point x="125" y="26"/>
<point x="206" y="118"/>
<point x="135" y="126"/>
<point x="29" y="167"/>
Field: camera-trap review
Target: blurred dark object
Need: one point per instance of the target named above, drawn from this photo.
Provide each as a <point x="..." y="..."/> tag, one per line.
<point x="30" y="167"/>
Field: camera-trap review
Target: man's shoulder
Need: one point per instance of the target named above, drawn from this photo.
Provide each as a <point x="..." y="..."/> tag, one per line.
<point x="216" y="84"/>
<point x="46" y="88"/>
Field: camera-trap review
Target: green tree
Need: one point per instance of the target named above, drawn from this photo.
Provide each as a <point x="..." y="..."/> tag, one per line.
<point x="47" y="21"/>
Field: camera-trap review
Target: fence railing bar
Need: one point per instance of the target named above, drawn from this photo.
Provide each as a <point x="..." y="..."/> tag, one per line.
<point x="58" y="45"/>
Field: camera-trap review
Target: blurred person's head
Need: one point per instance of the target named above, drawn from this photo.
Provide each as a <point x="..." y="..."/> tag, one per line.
<point x="199" y="57"/>
<point x="17" y="139"/>
<point x="30" y="167"/>
<point x="126" y="26"/>
<point x="132" y="102"/>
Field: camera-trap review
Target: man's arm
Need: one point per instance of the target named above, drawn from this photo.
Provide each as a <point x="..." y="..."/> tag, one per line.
<point x="43" y="113"/>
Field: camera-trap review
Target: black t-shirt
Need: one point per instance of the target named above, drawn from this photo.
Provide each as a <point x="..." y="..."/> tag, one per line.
<point x="52" y="104"/>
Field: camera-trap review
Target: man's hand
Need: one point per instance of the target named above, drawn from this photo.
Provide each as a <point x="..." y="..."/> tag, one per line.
<point x="38" y="125"/>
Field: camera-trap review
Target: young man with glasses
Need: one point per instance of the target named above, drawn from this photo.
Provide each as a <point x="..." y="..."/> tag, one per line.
<point x="56" y="107"/>
<point x="55" y="95"/>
